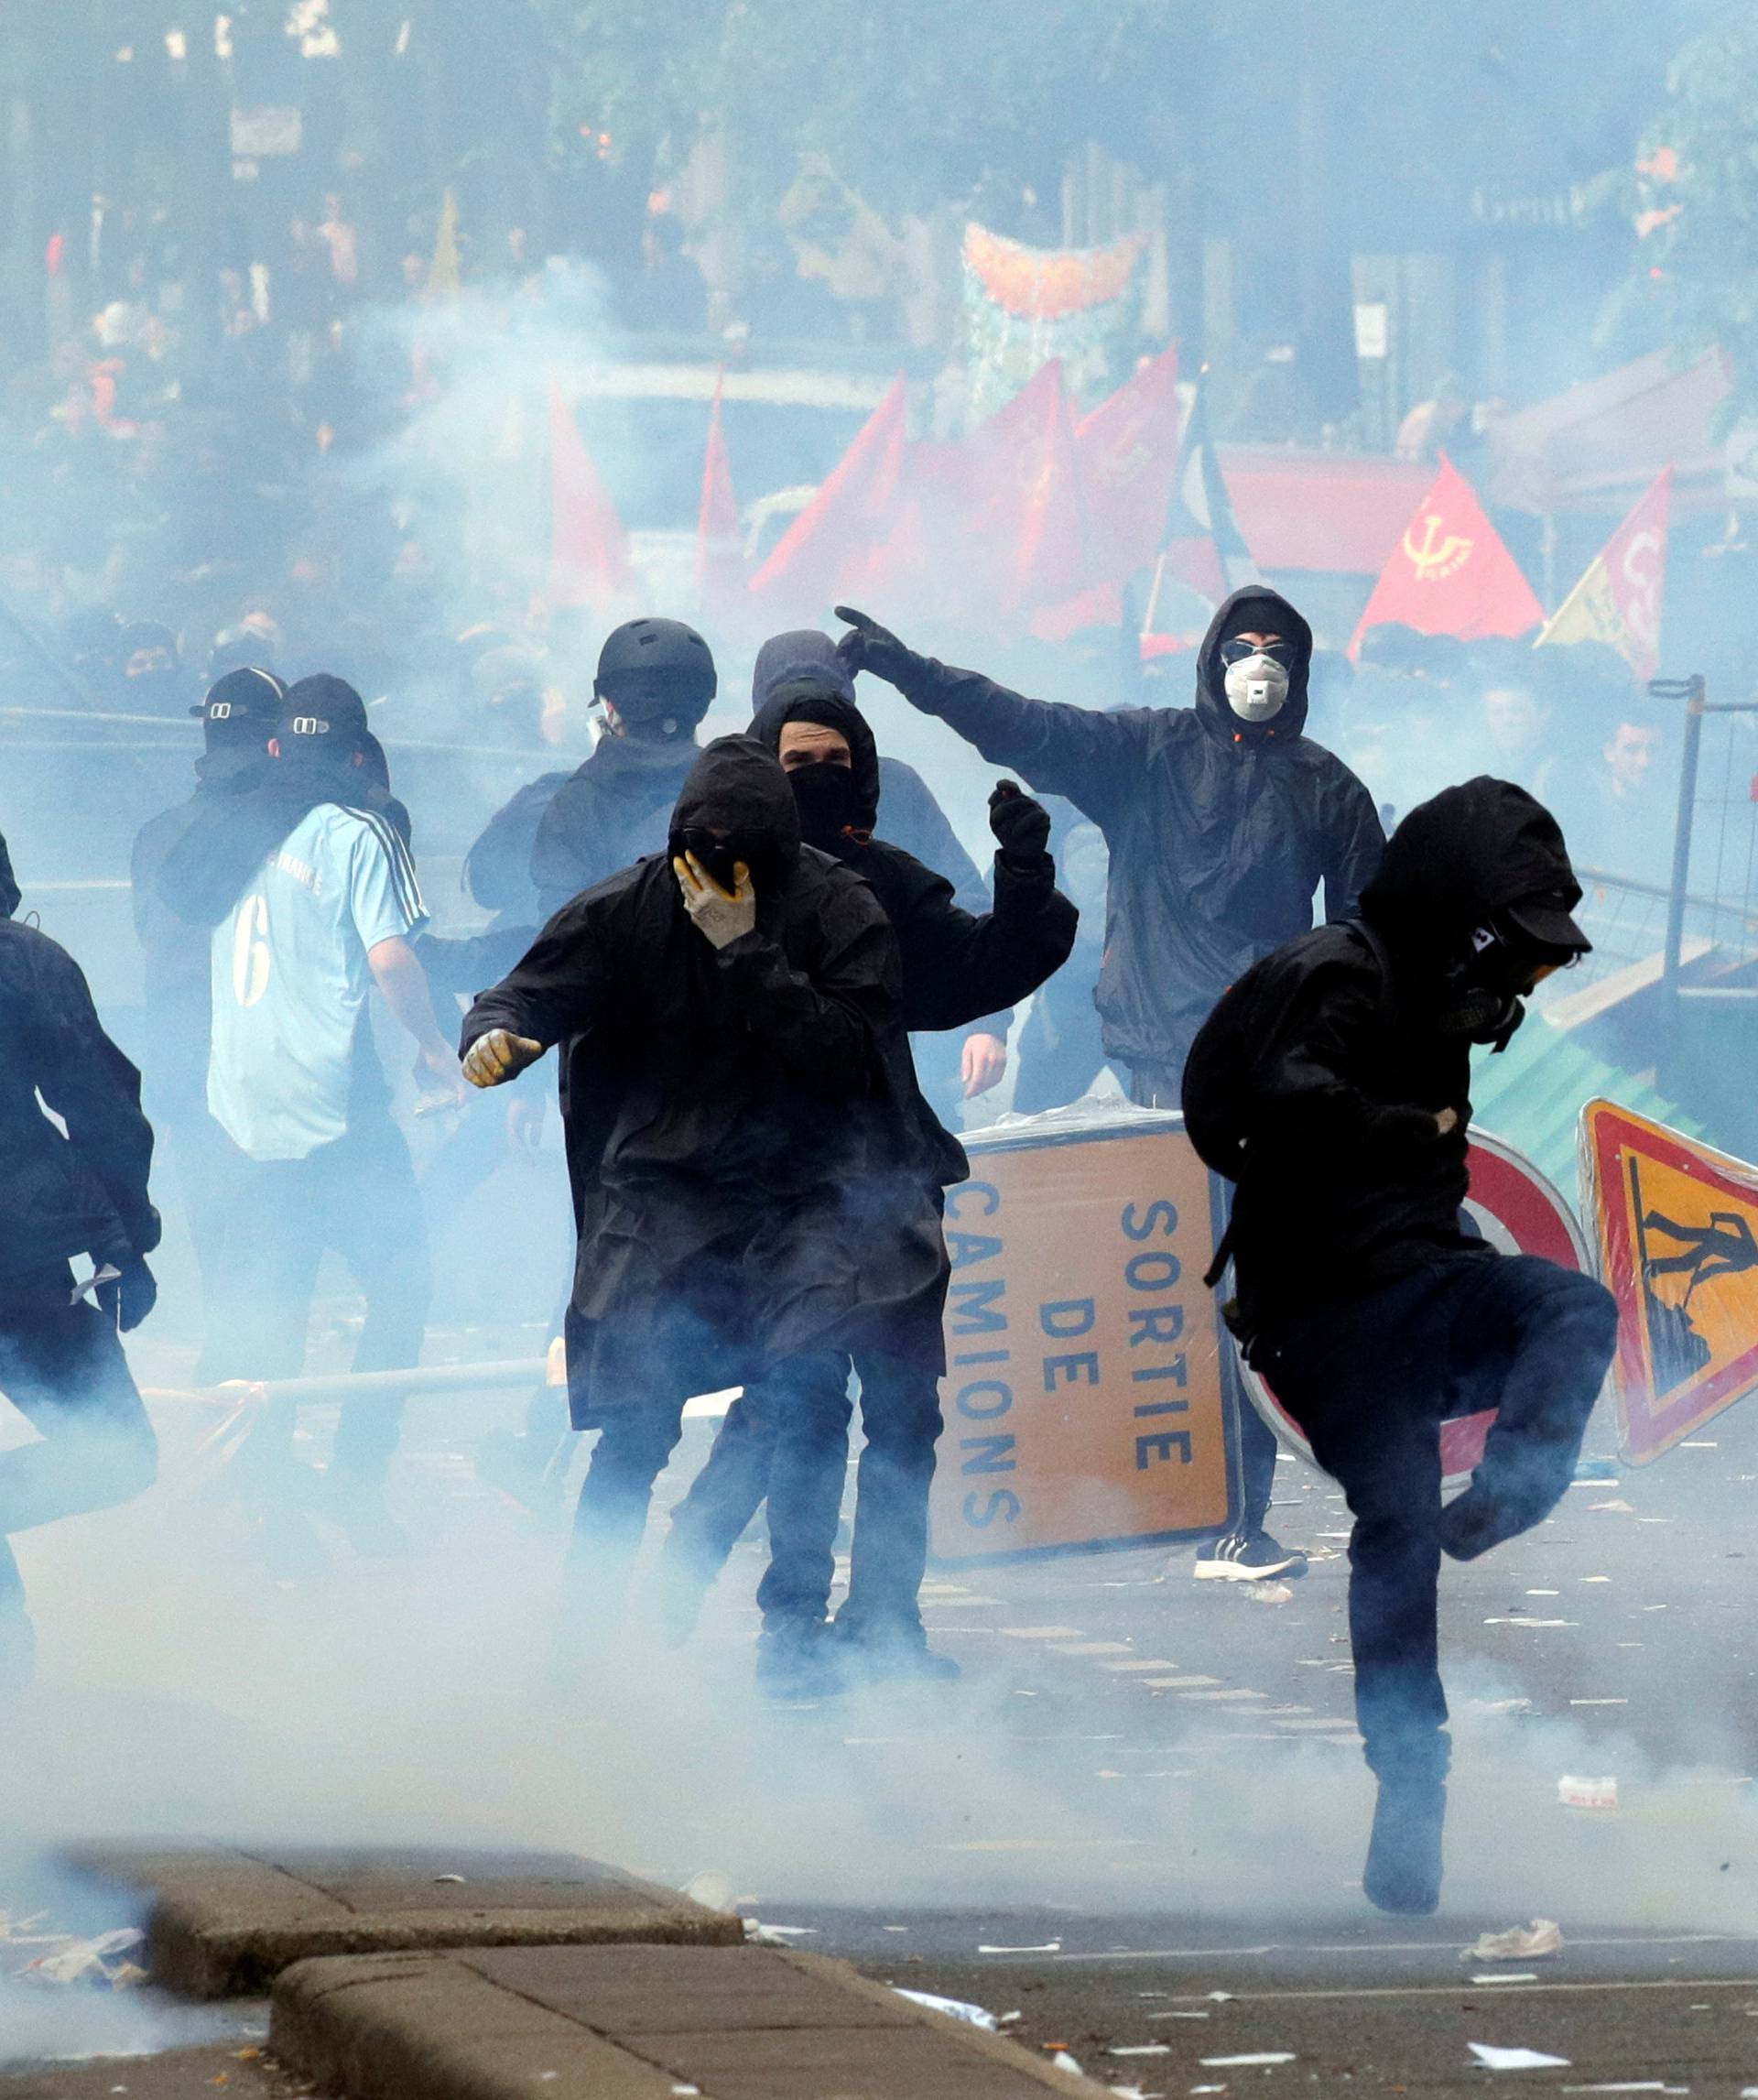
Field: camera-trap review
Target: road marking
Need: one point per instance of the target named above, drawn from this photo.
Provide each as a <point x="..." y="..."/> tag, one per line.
<point x="1177" y="1684"/>
<point x="1447" y="1946"/>
<point x="1159" y="1663"/>
<point x="1217" y="1697"/>
<point x="1330" y="1726"/>
<point x="1089" y="1648"/>
<point x="1041" y="1632"/>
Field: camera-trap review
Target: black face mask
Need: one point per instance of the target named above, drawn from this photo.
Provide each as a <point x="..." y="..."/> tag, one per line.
<point x="826" y="798"/>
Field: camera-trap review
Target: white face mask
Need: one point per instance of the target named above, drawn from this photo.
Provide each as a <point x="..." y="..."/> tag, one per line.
<point x="1256" y="689"/>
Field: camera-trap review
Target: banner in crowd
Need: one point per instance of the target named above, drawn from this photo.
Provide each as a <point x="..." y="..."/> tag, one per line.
<point x="589" y="550"/>
<point x="1619" y="599"/>
<point x="1024" y="307"/>
<point x="720" y="550"/>
<point x="1450" y="574"/>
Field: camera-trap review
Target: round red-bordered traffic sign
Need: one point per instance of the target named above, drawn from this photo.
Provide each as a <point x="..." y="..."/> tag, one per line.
<point x="1518" y="1211"/>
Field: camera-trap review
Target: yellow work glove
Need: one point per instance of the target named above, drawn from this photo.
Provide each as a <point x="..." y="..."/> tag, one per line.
<point x="500" y="1055"/>
<point x="722" y="916"/>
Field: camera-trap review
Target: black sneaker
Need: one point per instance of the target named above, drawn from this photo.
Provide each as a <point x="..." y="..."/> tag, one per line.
<point x="1403" y="1872"/>
<point x="798" y="1659"/>
<point x="1481" y="1518"/>
<point x="884" y="1654"/>
<point x="1238" y="1558"/>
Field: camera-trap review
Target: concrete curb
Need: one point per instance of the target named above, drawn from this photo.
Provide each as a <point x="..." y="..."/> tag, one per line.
<point x="225" y="1923"/>
<point x="633" y="2023"/>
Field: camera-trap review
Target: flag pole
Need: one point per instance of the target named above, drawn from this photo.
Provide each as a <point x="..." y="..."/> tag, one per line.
<point x="1154" y="595"/>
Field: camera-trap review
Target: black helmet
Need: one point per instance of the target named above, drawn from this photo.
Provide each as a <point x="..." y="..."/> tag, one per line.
<point x="650" y="669"/>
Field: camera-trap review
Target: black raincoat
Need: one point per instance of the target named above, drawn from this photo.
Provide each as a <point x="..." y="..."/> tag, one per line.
<point x="84" y="1193"/>
<point x="957" y="967"/>
<point x="1316" y="1083"/>
<point x="733" y="1137"/>
<point x="1219" y="830"/>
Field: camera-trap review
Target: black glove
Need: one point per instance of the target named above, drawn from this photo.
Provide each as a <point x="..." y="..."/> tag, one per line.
<point x="1022" y="827"/>
<point x="128" y="1296"/>
<point x="869" y="646"/>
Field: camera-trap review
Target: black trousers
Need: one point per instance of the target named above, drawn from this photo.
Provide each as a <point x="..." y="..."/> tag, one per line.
<point x="804" y="1410"/>
<point x="356" y="1197"/>
<point x="1371" y="1380"/>
<point x="798" y="1456"/>
<point x="62" y="1367"/>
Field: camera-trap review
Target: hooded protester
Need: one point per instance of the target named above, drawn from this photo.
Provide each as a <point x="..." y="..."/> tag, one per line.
<point x="303" y="879"/>
<point x="1332" y="1084"/>
<point x="655" y="679"/>
<point x="722" y="1014"/>
<point x="78" y="1190"/>
<point x="1220" y="820"/>
<point x="808" y="660"/>
<point x="955" y="967"/>
<point x="238" y="717"/>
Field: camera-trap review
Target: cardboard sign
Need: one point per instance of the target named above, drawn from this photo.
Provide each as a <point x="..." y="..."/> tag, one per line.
<point x="1518" y="1212"/>
<point x="1677" y="1226"/>
<point x="1083" y="1390"/>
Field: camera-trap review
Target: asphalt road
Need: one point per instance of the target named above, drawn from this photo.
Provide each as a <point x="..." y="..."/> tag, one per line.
<point x="1152" y="1786"/>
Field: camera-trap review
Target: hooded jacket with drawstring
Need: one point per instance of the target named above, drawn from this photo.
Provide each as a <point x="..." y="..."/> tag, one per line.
<point x="1316" y="1083"/>
<point x="1219" y="830"/>
<point x="731" y="1129"/>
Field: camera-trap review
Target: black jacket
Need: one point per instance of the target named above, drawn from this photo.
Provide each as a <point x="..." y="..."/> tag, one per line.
<point x="1316" y="1083"/>
<point x="729" y="1114"/>
<point x="1219" y="832"/>
<point x="957" y="967"/>
<point x="612" y="808"/>
<point x="86" y="1192"/>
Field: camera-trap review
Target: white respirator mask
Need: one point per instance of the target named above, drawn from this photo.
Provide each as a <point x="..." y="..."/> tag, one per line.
<point x="1256" y="687"/>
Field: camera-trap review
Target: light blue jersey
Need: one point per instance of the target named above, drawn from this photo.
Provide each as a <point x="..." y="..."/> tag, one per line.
<point x="290" y="976"/>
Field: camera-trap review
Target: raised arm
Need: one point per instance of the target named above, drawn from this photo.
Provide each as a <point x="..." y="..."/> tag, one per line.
<point x="959" y="966"/>
<point x="1094" y="759"/>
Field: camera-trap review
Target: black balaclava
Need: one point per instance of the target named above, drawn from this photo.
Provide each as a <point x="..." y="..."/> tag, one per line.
<point x="737" y="787"/>
<point x="798" y="678"/>
<point x="1465" y="880"/>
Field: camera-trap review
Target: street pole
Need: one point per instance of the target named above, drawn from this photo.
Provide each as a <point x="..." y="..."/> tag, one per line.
<point x="1691" y="691"/>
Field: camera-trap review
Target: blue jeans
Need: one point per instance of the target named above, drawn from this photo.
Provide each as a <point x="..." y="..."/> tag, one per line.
<point x="1371" y="1380"/>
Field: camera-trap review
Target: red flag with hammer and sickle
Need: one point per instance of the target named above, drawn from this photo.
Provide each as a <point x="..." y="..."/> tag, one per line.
<point x="1450" y="574"/>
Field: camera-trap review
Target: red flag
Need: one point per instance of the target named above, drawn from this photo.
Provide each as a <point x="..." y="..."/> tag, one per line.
<point x="820" y="556"/>
<point x="1450" y="574"/>
<point x="1619" y="599"/>
<point x="1128" y="452"/>
<point x="588" y="550"/>
<point x="996" y="517"/>
<point x="720" y="552"/>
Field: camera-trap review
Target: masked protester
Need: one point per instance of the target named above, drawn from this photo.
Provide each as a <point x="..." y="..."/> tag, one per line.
<point x="955" y="967"/>
<point x="722" y="1013"/>
<point x="1332" y="1085"/>
<point x="655" y="680"/>
<point x="1221" y="821"/>
<point x="951" y="1065"/>
<point x="80" y="1192"/>
<point x="238" y="717"/>
<point x="304" y="882"/>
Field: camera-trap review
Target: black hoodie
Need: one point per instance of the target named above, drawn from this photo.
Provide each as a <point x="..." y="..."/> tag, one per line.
<point x="732" y="1137"/>
<point x="1316" y="1083"/>
<point x="1219" y="832"/>
<point x="958" y="968"/>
